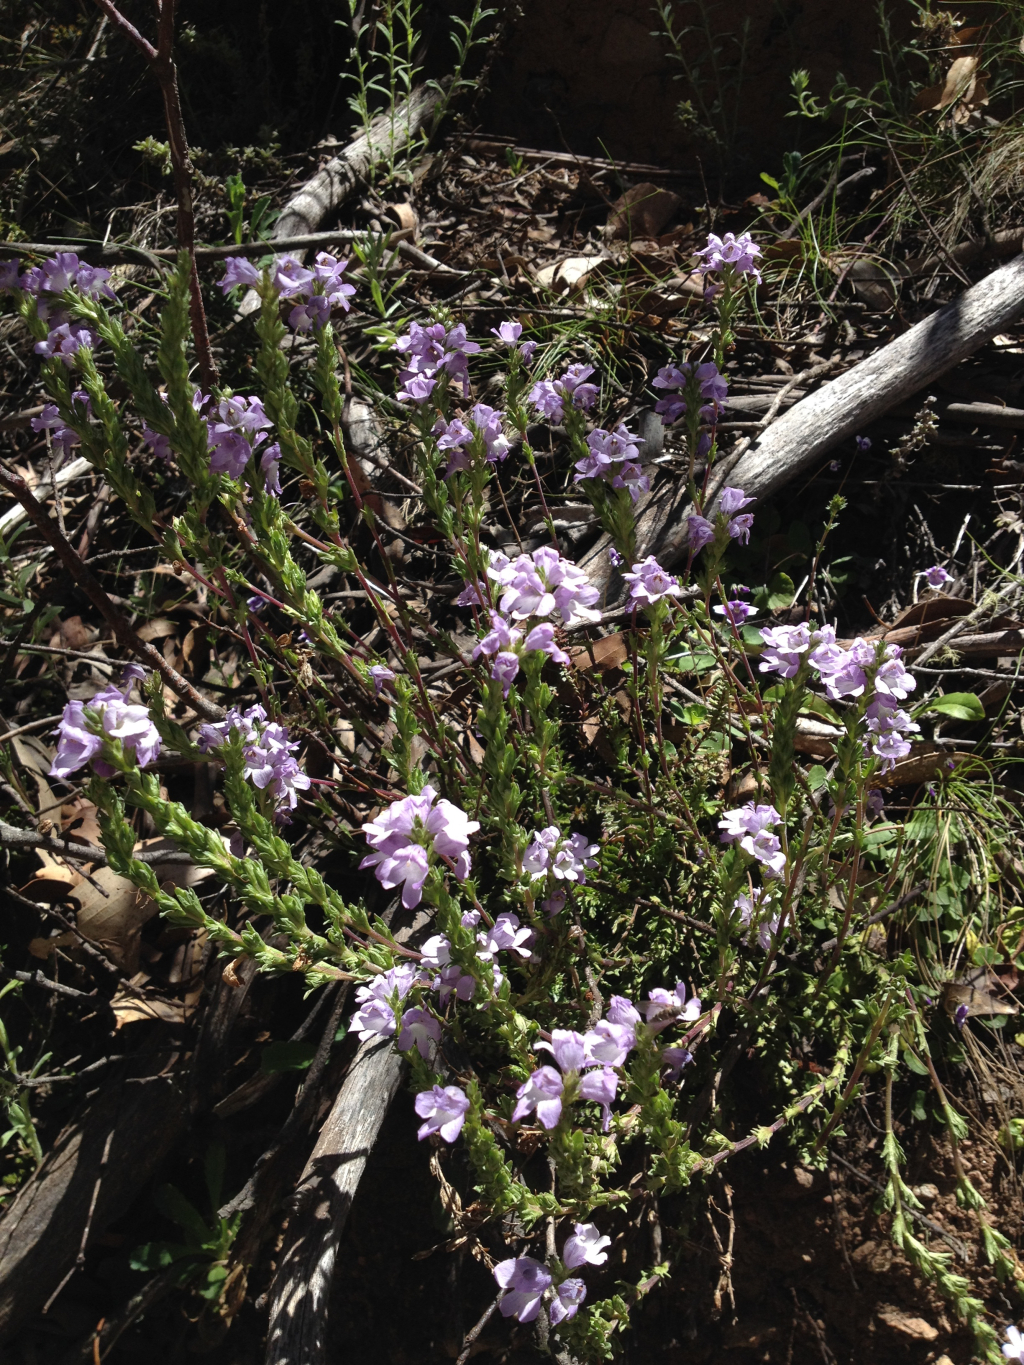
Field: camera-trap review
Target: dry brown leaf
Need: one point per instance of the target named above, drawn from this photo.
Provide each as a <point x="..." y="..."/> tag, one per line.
<point x="608" y="652"/>
<point x="642" y="211"/>
<point x="962" y="86"/>
<point x="920" y="766"/>
<point x="976" y="990"/>
<point x="569" y="274"/>
<point x="157" y="629"/>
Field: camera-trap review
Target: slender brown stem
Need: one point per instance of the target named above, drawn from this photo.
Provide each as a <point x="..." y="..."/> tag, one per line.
<point x="161" y="61"/>
<point x="93" y="589"/>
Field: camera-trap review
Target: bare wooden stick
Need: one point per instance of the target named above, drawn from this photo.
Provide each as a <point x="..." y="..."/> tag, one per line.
<point x="93" y="589"/>
<point x="301" y="1287"/>
<point x="161" y="61"/>
<point x="835" y="412"/>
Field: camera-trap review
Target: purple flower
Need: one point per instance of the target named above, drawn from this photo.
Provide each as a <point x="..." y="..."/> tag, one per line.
<point x="543" y="1093"/>
<point x="600" y="1087"/>
<point x="419" y="1030"/>
<point x="238" y="270"/>
<point x="313" y="314"/>
<point x="892" y="678"/>
<point x="549" y="396"/>
<point x="675" y="1058"/>
<point x="586" y="1246"/>
<point x="269" y="753"/>
<point x="379" y="676"/>
<point x="505" y="935"/>
<point x="505" y="670"/>
<point x="428" y="351"/>
<point x="573" y="858"/>
<point x="291" y="277"/>
<point x="1013" y="1348"/>
<point x="60" y="273"/>
<point x="525" y="1282"/>
<point x="732" y="500"/>
<point x="158" y="443"/>
<point x="77" y="744"/>
<point x="537" y="857"/>
<point x="735" y="611"/>
<point x="373" y="1019"/>
<point x="665" y="1007"/>
<point x="613" y="454"/>
<point x="735" y="252"/>
<point x="739" y="528"/>
<point x="417" y="388"/>
<point x="622" y="1011"/>
<point x="63" y="341"/>
<point x="452" y="980"/>
<point x="568" y="1049"/>
<point x="614" y="558"/>
<point x="565" y="1304"/>
<point x="748" y="819"/>
<point x="230" y="425"/>
<point x="863" y="442"/>
<point x="50" y="420"/>
<point x="401" y="836"/>
<point x="9" y="274"/>
<point x="783" y="647"/>
<point x="444" y="1111"/>
<point x="542" y="638"/>
<point x="544" y="582"/>
<point x="555" y="904"/>
<point x="93" y="281"/>
<point x="766" y="847"/>
<point x="509" y="333"/>
<point x="700" y="533"/>
<point x="270" y="468"/>
<point x="960" y="1018"/>
<point x="328" y="271"/>
<point x="752" y="909"/>
<point x="488" y="425"/>
<point x="650" y="583"/>
<point x="937" y="576"/>
<point x="608" y="1044"/>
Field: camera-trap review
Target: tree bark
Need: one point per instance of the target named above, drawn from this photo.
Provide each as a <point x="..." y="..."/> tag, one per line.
<point x="832" y="414"/>
<point x="302" y="1285"/>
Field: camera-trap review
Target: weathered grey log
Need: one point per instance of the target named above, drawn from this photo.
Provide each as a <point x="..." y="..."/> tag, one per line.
<point x="835" y="412"/>
<point x="96" y="1169"/>
<point x="302" y="1285"/>
<point x="388" y="134"/>
<point x="983" y="415"/>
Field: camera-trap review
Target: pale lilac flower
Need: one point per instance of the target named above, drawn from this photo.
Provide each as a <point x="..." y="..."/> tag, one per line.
<point x="130" y="674"/>
<point x="863" y="442"/>
<point x="543" y="1093"/>
<point x="131" y="724"/>
<point x="60" y="272"/>
<point x="538" y="584"/>
<point x="608" y="1044"/>
<point x="444" y="1110"/>
<point x="472" y="595"/>
<point x="505" y="935"/>
<point x="675" y="1058"/>
<point x="542" y="638"/>
<point x="614" y="558"/>
<point x="437" y="951"/>
<point x="63" y="436"/>
<point x="622" y="1012"/>
<point x="892" y="678"/>
<point x="549" y="396"/>
<point x="753" y="908"/>
<point x="664" y="1007"/>
<point x="158" y="443"/>
<point x="737" y="252"/>
<point x="488" y="425"/>
<point x="613" y="457"/>
<point x="585" y="1246"/>
<point x="430" y="350"/>
<point x="63" y="341"/>
<point x="565" y="1304"/>
<point x="555" y="904"/>
<point x="238" y="270"/>
<point x="416" y="388"/>
<point x="1013" y="1347"/>
<point x="600" y="1087"/>
<point x="313" y="314"/>
<point x="650" y="583"/>
<point x="401" y="835"/>
<point x="739" y="528"/>
<point x="505" y="670"/>
<point x="328" y="271"/>
<point x="748" y="819"/>
<point x="525" y="1282"/>
<point x="420" y="1030"/>
<point x="373" y="1019"/>
<point x="537" y="857"/>
<point x="937" y="576"/>
<point x="890" y="747"/>
<point x="93" y="282"/>
<point x="379" y="675"/>
<point x="291" y="277"/>
<point x="735" y="611"/>
<point x="573" y="859"/>
<point x="230" y="426"/>
<point x="397" y="981"/>
<point x="700" y="532"/>
<point x="783" y="647"/>
<point x="270" y="468"/>
<point x="452" y="980"/>
<point x="501" y="636"/>
<point x="766" y="847"/>
<point x="470" y="919"/>
<point x="9" y="274"/>
<point x="568" y="1048"/>
<point x="509" y="333"/>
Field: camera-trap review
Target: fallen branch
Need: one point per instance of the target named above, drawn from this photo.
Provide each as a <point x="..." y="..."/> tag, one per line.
<point x="68" y="847"/>
<point x="302" y="1285"/>
<point x="833" y="413"/>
